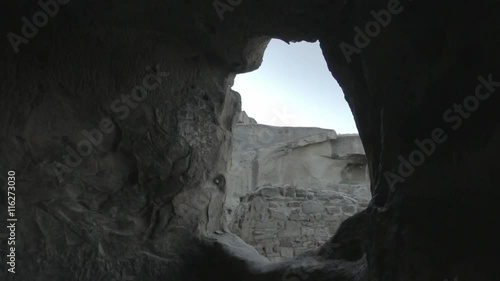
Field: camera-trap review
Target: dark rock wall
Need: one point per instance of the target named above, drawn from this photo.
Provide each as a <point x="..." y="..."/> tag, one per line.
<point x="434" y="221"/>
<point x="129" y="209"/>
<point x="118" y="137"/>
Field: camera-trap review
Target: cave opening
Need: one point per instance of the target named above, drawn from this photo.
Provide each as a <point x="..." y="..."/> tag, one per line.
<point x="293" y="87"/>
<point x="298" y="168"/>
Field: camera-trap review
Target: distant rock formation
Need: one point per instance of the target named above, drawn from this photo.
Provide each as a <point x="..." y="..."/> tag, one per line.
<point x="245" y="120"/>
<point x="289" y="188"/>
<point x="298" y="156"/>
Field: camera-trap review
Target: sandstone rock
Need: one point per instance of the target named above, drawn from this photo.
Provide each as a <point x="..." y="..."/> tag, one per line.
<point x="307" y="231"/>
<point x="273" y="205"/>
<point x="292" y="226"/>
<point x="299" y="217"/>
<point x="286" y="242"/>
<point x="281" y="200"/>
<point x="332" y="228"/>
<point x="300" y="192"/>
<point x="312" y="207"/>
<point x="269" y="191"/>
<point x="289" y="192"/>
<point x="264" y="235"/>
<point x="307" y="157"/>
<point x="349" y="209"/>
<point x="275" y="259"/>
<point x="276" y="214"/>
<point x="287" y="252"/>
<point x="266" y="225"/>
<point x="288" y="234"/>
<point x="245" y="120"/>
<point x="318" y="217"/>
<point x="322" y="233"/>
<point x="330" y="217"/>
<point x="333" y="209"/>
<point x="271" y="250"/>
<point x="292" y="229"/>
<point x="258" y="209"/>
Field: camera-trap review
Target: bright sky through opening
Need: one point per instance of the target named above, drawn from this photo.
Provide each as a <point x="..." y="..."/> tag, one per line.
<point x="294" y="87"/>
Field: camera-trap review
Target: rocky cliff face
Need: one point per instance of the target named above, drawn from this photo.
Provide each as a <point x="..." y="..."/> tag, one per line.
<point x="145" y="203"/>
<point x="298" y="156"/>
<point x="291" y="187"/>
<point x="120" y="140"/>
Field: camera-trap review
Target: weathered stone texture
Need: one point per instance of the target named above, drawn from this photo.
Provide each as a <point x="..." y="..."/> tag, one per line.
<point x="292" y="227"/>
<point x="147" y="203"/>
<point x="313" y="157"/>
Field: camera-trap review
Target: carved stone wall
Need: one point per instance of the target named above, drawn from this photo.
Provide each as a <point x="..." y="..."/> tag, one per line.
<point x="283" y="221"/>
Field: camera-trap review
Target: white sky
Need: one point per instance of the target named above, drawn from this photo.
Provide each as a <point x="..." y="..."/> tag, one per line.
<point x="294" y="87"/>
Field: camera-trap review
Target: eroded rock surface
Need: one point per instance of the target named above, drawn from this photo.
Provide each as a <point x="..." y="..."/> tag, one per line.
<point x="139" y="204"/>
<point x="299" y="156"/>
<point x="283" y="222"/>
